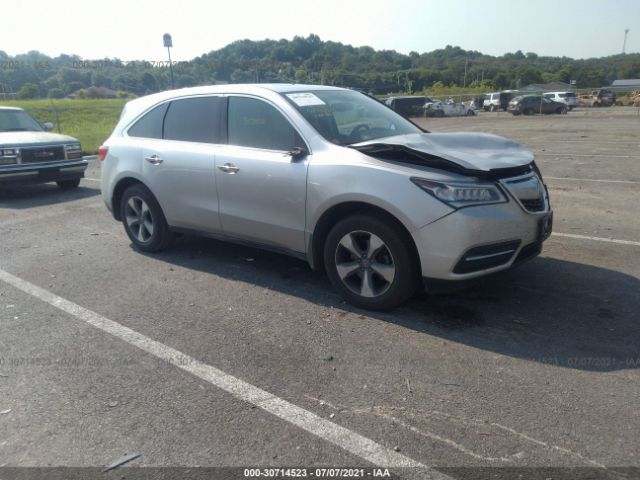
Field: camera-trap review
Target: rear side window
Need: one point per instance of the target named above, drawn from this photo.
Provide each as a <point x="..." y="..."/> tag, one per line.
<point x="194" y="120"/>
<point x="150" y="125"/>
<point x="254" y="123"/>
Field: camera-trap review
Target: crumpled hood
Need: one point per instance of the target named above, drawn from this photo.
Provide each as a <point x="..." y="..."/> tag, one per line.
<point x="472" y="151"/>
<point x="26" y="139"/>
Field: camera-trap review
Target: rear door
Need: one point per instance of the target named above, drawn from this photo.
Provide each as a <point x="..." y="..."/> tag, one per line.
<point x="180" y="168"/>
<point x="262" y="189"/>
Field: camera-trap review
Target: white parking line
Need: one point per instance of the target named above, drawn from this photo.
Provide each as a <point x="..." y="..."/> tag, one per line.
<point x="596" y="239"/>
<point x="344" y="438"/>
<point x="92" y="179"/>
<point x="591" y="180"/>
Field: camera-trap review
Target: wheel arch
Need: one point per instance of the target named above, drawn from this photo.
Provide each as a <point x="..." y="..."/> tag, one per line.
<point x="119" y="190"/>
<point x="342" y="210"/>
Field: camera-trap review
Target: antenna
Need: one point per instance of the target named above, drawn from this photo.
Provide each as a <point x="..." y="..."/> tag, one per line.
<point x="624" y="44"/>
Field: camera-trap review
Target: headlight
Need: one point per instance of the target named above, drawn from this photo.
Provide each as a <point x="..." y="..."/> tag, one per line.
<point x="8" y="152"/>
<point x="73" y="147"/>
<point x="460" y="194"/>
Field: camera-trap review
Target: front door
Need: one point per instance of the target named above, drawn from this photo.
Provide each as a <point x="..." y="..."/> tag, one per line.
<point x="261" y="188"/>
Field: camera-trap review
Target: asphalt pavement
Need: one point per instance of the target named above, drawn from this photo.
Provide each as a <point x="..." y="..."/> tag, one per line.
<point x="212" y="354"/>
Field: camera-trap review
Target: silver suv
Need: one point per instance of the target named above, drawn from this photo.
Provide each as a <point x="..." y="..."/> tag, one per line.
<point x="328" y="175"/>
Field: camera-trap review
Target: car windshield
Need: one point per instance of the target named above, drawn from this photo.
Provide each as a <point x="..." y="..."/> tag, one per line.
<point x="345" y="117"/>
<point x="18" y="121"/>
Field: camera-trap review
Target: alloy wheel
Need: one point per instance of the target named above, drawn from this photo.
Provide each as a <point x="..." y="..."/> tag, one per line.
<point x="364" y="264"/>
<point x="138" y="219"/>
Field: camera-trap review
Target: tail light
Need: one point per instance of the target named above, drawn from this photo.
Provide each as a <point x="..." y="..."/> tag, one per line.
<point x="102" y="152"/>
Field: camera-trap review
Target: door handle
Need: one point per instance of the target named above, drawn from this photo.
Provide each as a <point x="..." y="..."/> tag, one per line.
<point x="229" y="168"/>
<point x="154" y="159"/>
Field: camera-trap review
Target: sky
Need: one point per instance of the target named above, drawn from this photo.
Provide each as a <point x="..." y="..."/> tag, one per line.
<point x="133" y="29"/>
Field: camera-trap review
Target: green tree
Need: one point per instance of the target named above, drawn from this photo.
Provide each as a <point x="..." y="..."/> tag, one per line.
<point x="56" y="93"/>
<point x="29" y="90"/>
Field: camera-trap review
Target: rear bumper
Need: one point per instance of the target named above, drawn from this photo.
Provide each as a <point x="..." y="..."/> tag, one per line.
<point x="476" y="241"/>
<point x="43" y="172"/>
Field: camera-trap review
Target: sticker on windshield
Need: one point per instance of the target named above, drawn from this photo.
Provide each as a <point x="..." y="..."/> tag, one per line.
<point x="305" y="99"/>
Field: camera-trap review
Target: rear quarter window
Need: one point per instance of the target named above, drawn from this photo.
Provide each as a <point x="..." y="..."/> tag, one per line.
<point x="150" y="124"/>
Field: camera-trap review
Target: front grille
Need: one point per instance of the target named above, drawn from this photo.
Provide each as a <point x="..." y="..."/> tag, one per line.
<point x="536" y="205"/>
<point x="486" y="256"/>
<point x="528" y="190"/>
<point x="42" y="154"/>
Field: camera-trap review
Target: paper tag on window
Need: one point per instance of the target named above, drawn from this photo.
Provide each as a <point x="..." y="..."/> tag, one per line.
<point x="305" y="99"/>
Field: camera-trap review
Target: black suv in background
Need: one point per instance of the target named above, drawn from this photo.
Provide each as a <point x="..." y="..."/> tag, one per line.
<point x="409" y="106"/>
<point x="530" y="104"/>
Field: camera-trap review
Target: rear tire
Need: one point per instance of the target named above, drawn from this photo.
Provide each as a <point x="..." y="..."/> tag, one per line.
<point x="68" y="184"/>
<point x="143" y="219"/>
<point x="371" y="262"/>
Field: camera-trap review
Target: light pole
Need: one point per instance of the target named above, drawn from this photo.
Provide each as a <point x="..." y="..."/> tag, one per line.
<point x="624" y="44"/>
<point x="166" y="38"/>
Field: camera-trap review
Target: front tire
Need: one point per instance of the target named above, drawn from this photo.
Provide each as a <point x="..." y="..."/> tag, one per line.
<point x="143" y="220"/>
<point x="371" y="262"/>
<point x="68" y="184"/>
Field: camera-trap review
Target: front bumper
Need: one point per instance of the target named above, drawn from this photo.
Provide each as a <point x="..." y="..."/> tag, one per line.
<point x="43" y="172"/>
<point x="476" y="241"/>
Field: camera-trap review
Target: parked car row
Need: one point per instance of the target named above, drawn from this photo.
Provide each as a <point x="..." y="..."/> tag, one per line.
<point x="421" y="106"/>
<point x="416" y="105"/>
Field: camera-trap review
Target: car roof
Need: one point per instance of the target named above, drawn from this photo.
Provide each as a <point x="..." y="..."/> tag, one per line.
<point x="134" y="107"/>
<point x="256" y="88"/>
<point x="2" y="107"/>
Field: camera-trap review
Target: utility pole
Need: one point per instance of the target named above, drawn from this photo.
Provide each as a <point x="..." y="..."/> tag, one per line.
<point x="464" y="81"/>
<point x="624" y="44"/>
<point x="166" y="38"/>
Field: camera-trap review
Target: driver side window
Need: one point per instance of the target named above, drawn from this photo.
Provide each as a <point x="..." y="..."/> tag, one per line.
<point x="254" y="123"/>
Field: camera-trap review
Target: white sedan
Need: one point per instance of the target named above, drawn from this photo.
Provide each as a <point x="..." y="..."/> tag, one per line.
<point x="448" y="109"/>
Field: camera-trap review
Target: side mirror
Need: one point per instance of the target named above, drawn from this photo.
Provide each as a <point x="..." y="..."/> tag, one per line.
<point x="296" y="153"/>
<point x="48" y="126"/>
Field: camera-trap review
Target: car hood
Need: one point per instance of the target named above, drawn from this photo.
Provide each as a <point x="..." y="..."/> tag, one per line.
<point x="471" y="151"/>
<point x="26" y="139"/>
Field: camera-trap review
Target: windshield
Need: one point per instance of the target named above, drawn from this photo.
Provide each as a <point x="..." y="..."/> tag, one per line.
<point x="345" y="117"/>
<point x="18" y="121"/>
